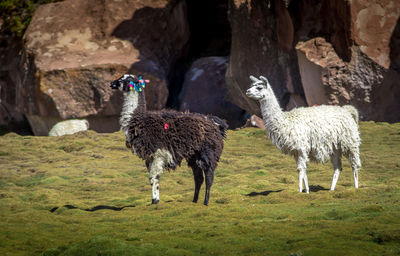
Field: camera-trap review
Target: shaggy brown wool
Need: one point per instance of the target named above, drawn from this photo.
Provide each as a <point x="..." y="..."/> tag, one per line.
<point x="185" y="135"/>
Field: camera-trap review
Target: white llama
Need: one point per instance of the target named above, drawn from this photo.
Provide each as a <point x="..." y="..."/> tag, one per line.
<point x="311" y="133"/>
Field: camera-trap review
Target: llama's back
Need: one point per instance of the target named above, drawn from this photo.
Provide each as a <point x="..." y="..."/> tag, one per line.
<point x="319" y="130"/>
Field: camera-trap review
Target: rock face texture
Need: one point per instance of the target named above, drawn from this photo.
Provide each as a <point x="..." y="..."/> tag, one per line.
<point x="354" y="60"/>
<point x="257" y="51"/>
<point x="347" y="52"/>
<point x="73" y="48"/>
<point x="10" y="54"/>
<point x="327" y="79"/>
<point x="204" y="91"/>
<point x="312" y="52"/>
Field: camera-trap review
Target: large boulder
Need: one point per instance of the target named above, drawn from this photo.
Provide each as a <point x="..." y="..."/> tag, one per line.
<point x="204" y="91"/>
<point x="74" y="48"/>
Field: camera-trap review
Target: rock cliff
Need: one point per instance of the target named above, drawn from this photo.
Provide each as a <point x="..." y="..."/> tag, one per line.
<point x="73" y="48"/>
<point x="313" y="52"/>
<point x="319" y="52"/>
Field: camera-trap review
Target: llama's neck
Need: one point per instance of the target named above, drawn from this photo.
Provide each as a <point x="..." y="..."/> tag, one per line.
<point x="270" y="109"/>
<point x="133" y="101"/>
<point x="273" y="117"/>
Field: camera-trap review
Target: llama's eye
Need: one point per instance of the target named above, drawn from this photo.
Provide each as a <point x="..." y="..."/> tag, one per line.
<point x="259" y="88"/>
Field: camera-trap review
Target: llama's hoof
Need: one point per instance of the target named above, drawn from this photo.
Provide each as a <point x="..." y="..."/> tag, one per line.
<point x="206" y="203"/>
<point x="154" y="201"/>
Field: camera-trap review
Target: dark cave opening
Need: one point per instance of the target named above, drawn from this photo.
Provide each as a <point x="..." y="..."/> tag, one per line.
<point x="210" y="30"/>
<point x="210" y="35"/>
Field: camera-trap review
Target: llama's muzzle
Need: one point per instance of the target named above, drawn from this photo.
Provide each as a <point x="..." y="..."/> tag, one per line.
<point x="248" y="93"/>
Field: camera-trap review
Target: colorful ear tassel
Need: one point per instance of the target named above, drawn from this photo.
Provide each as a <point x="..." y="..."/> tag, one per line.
<point x="143" y="82"/>
<point x="138" y="86"/>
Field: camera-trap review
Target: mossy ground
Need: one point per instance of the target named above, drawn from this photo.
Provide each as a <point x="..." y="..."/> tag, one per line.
<point x="254" y="209"/>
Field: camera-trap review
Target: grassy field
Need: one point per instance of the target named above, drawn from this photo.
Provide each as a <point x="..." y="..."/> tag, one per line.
<point x="254" y="209"/>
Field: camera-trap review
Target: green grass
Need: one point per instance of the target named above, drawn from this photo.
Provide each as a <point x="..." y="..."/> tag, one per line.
<point x="254" y="209"/>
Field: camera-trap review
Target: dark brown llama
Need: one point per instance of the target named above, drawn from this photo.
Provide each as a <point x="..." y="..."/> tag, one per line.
<point x="164" y="138"/>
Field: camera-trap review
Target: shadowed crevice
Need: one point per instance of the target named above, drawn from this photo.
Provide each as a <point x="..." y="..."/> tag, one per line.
<point x="395" y="48"/>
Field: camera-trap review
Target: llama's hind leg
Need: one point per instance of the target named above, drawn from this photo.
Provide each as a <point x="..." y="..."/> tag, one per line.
<point x="336" y="160"/>
<point x="302" y="169"/>
<point x="198" y="181"/>
<point x="209" y="173"/>
<point x="354" y="159"/>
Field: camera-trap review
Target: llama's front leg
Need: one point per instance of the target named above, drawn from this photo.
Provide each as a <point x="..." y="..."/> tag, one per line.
<point x="337" y="168"/>
<point x="155" y="189"/>
<point x="209" y="181"/>
<point x="302" y="169"/>
<point x="156" y="168"/>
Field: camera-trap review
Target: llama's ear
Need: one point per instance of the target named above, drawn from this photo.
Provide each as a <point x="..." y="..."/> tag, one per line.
<point x="265" y="80"/>
<point x="254" y="79"/>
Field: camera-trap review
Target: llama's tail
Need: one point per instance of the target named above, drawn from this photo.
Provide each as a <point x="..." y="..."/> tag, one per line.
<point x="222" y="125"/>
<point x="353" y="111"/>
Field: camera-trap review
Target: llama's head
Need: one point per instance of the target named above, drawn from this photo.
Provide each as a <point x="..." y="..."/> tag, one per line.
<point x="260" y="88"/>
<point x="128" y="83"/>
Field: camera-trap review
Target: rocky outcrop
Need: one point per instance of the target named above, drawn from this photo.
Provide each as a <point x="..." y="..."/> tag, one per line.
<point x="347" y="52"/>
<point x="312" y="52"/>
<point x="372" y="24"/>
<point x="327" y="79"/>
<point x="204" y="91"/>
<point x="73" y="48"/>
<point x="355" y="60"/>
<point x="256" y="51"/>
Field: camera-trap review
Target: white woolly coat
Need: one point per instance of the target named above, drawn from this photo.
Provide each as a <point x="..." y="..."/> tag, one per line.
<point x="315" y="131"/>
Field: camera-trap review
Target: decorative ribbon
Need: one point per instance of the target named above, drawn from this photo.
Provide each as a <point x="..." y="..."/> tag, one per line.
<point x="139" y="85"/>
